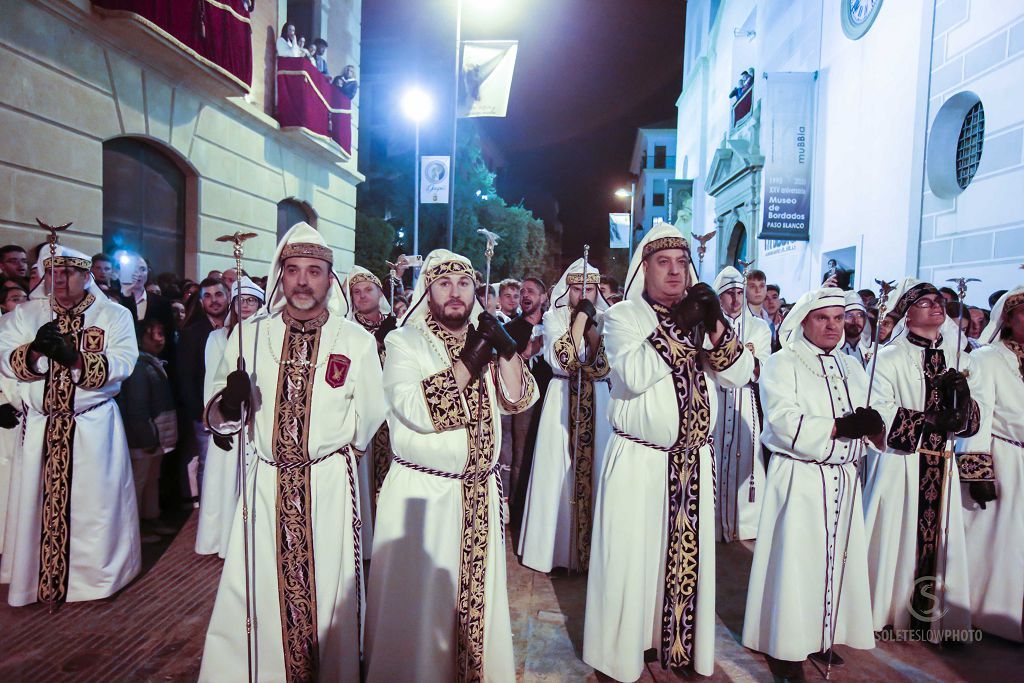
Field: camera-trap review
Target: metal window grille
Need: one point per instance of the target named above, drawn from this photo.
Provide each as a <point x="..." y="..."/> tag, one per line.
<point x="969" y="144"/>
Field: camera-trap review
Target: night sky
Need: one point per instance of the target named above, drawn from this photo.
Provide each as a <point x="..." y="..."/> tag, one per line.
<point x="588" y="74"/>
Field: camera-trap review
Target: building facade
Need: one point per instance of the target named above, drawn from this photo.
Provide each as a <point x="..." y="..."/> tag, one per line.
<point x="653" y="164"/>
<point x="110" y="122"/>
<point x="916" y="137"/>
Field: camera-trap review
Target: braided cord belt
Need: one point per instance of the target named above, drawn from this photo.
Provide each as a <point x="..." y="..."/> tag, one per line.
<point x="1018" y="444"/>
<point x="73" y="415"/>
<point x="671" y="449"/>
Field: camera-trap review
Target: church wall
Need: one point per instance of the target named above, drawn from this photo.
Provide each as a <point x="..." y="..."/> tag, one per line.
<point x="70" y="84"/>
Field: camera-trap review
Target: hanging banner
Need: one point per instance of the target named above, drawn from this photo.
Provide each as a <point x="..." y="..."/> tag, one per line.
<point x="434" y="179"/>
<point x="787" y="135"/>
<point x="487" y="67"/>
<point x="618" y="235"/>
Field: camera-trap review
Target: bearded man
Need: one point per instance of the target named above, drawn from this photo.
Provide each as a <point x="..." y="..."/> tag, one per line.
<point x="438" y="607"/>
<point x="308" y="398"/>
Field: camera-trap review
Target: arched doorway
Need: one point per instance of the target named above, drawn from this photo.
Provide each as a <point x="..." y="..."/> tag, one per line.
<point x="144" y="203"/>
<point x="292" y="211"/>
<point x="737" y="246"/>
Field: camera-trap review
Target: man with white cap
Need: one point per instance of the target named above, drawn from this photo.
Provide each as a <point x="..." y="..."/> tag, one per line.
<point x="76" y="535"/>
<point x="652" y="563"/>
<point x="220" y="480"/>
<point x="438" y="602"/>
<point x="916" y="548"/>
<point x="857" y="343"/>
<point x="993" y="514"/>
<point x="367" y="305"/>
<point x="573" y="430"/>
<point x="808" y="586"/>
<point x="309" y="396"/>
<point x="739" y="467"/>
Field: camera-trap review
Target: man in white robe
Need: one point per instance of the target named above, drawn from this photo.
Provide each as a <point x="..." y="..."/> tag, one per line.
<point x="366" y="305"/>
<point x="76" y="531"/>
<point x="573" y="430"/>
<point x="438" y="602"/>
<point x="308" y="399"/>
<point x="220" y="474"/>
<point x="993" y="459"/>
<point x="857" y="342"/>
<point x="11" y="415"/>
<point x="917" y="553"/>
<point x="808" y="586"/>
<point x="652" y="563"/>
<point x="739" y="466"/>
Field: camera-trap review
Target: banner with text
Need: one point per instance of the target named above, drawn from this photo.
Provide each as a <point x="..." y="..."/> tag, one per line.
<point x="787" y="137"/>
<point x="618" y="231"/>
<point x="434" y="178"/>
<point x="487" y="67"/>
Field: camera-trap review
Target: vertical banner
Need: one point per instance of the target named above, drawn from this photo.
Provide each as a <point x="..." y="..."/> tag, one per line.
<point x="618" y="231"/>
<point x="434" y="179"/>
<point x="487" y="67"/>
<point x="786" y="141"/>
<point x="680" y="206"/>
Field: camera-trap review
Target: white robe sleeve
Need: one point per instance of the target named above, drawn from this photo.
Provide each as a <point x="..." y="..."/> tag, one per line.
<point x="974" y="453"/>
<point x="117" y="361"/>
<point x="635" y="365"/>
<point x="212" y="417"/>
<point x="806" y="437"/>
<point x="370" y="410"/>
<point x="15" y="336"/>
<point x="424" y="404"/>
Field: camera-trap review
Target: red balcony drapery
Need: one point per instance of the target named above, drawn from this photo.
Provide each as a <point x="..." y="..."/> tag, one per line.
<point x="305" y="98"/>
<point x="216" y="32"/>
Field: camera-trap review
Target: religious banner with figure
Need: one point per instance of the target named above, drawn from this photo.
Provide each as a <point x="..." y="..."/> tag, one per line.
<point x="487" y="67"/>
<point x="434" y="179"/>
<point x="786" y="141"/>
<point x="618" y="231"/>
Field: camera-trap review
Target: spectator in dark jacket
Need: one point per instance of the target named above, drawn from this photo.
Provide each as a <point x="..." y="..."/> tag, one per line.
<point x="191" y="369"/>
<point x="143" y="304"/>
<point x="150" y="424"/>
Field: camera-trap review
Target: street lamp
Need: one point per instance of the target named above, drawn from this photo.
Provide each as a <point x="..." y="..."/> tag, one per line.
<point x="622" y="193"/>
<point x="417" y="106"/>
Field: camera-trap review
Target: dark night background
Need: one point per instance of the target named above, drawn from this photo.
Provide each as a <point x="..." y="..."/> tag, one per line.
<point x="588" y="74"/>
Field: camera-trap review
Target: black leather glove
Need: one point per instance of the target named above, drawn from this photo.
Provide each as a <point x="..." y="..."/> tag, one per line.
<point x="477" y="351"/>
<point x="51" y="343"/>
<point x="949" y="419"/>
<point x="585" y="307"/>
<point x="222" y="442"/>
<point x="954" y="388"/>
<point x="494" y="332"/>
<point x="711" y="304"/>
<point x="388" y="324"/>
<point x="237" y="392"/>
<point x="687" y="313"/>
<point x="861" y="422"/>
<point x="982" y="492"/>
<point x="8" y="416"/>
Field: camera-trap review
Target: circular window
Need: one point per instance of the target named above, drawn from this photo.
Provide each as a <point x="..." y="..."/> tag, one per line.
<point x="955" y="144"/>
<point x="857" y="16"/>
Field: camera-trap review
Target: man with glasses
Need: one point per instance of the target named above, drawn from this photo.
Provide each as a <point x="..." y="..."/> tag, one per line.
<point x="917" y="557"/>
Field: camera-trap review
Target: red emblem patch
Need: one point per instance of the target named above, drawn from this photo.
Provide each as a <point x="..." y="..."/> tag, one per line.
<point x="92" y="340"/>
<point x="337" y="370"/>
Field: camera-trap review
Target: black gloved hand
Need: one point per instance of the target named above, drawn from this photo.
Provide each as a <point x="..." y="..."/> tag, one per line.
<point x="710" y="303"/>
<point x="51" y="343"/>
<point x="861" y="422"/>
<point x="222" y="442"/>
<point x="687" y="313"/>
<point x="949" y="419"/>
<point x="954" y="388"/>
<point x="388" y="324"/>
<point x="494" y="332"/>
<point x="237" y="392"/>
<point x="585" y="307"/>
<point x="477" y="351"/>
<point x="982" y="492"/>
<point x="9" y="416"/>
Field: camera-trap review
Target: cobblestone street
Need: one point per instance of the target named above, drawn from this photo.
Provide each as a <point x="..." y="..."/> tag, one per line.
<point x="154" y="631"/>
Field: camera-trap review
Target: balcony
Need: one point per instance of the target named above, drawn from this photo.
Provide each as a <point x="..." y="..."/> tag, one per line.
<point x="659" y="162"/>
<point x="311" y="110"/>
<point x="742" y="107"/>
<point x="207" y="44"/>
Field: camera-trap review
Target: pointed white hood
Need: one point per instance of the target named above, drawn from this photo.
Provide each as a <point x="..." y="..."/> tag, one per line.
<point x="438" y="263"/>
<point x="573" y="275"/>
<point x="661" y="236"/>
<point x="355" y="276"/>
<point x="302" y="240"/>
<point x="1006" y="303"/>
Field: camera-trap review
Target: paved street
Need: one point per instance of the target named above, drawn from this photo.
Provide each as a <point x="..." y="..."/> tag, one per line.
<point x="153" y="631"/>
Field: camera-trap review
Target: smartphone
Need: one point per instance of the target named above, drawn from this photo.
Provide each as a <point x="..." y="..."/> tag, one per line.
<point x="414" y="261"/>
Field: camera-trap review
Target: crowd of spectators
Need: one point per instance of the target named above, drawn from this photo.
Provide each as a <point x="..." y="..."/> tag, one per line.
<point x="290" y="44"/>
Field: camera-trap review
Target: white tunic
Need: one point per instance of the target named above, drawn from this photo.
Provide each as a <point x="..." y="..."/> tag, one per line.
<point x="546" y="538"/>
<point x="625" y="589"/>
<point x="220" y="478"/>
<point x="10" y="456"/>
<point x="739" y="465"/>
<point x="311" y="505"/>
<point x="995" y="535"/>
<point x="892" y="494"/>
<point x="102" y="551"/>
<point x="800" y="599"/>
<point x="412" y="618"/>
